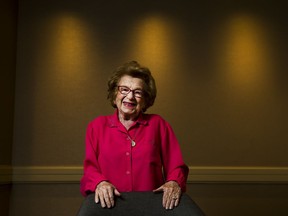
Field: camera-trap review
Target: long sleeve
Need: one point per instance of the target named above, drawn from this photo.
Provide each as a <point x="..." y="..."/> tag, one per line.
<point x="92" y="172"/>
<point x="174" y="167"/>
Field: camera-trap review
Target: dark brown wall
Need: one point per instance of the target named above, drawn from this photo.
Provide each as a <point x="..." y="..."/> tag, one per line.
<point x="8" y="26"/>
<point x="220" y="69"/>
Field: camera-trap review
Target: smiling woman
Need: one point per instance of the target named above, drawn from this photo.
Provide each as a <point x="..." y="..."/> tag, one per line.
<point x="129" y="106"/>
<point x="131" y="151"/>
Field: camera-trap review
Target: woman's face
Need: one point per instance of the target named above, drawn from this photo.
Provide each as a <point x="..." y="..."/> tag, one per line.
<point x="129" y="99"/>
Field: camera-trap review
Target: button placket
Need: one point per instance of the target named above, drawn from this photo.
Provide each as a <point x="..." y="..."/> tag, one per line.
<point x="128" y="155"/>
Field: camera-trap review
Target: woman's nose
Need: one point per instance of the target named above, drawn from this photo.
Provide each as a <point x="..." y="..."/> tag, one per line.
<point x="130" y="95"/>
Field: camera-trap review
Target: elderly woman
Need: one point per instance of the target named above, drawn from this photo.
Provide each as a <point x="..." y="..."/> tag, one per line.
<point x="130" y="151"/>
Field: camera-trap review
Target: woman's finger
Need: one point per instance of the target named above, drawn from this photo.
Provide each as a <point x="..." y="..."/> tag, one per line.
<point x="176" y="202"/>
<point x="106" y="198"/>
<point x="96" y="197"/>
<point x="102" y="200"/>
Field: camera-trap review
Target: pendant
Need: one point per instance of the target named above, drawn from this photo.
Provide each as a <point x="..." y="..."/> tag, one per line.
<point x="133" y="143"/>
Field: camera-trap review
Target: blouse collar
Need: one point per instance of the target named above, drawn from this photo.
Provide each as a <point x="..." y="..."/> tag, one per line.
<point x="114" y="120"/>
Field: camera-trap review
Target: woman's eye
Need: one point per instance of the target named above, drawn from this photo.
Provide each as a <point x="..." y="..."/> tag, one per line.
<point x="125" y="89"/>
<point x="138" y="92"/>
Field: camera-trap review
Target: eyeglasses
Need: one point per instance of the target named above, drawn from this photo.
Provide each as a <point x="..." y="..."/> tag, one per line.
<point x="124" y="90"/>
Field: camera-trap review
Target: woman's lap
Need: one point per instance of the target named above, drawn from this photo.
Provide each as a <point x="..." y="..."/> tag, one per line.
<point x="140" y="204"/>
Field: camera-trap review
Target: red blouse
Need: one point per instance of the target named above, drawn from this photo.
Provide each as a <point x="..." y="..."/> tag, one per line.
<point x="110" y="156"/>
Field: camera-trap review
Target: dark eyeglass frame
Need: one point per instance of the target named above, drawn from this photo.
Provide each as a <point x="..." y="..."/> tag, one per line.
<point x="124" y="90"/>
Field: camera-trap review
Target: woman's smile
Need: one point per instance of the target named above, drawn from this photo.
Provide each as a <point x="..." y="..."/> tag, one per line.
<point x="129" y="104"/>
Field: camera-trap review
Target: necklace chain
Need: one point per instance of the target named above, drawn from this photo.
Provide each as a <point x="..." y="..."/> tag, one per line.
<point x="133" y="142"/>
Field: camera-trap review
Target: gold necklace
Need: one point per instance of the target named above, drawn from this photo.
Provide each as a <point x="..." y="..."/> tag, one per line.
<point x="133" y="142"/>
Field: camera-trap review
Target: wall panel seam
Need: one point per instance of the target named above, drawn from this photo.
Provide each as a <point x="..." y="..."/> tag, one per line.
<point x="199" y="174"/>
<point x="5" y="174"/>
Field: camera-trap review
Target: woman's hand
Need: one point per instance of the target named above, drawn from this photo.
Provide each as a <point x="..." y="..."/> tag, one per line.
<point x="171" y="194"/>
<point x="104" y="193"/>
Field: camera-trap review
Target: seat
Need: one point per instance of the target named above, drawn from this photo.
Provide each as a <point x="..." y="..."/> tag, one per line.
<point x="140" y="204"/>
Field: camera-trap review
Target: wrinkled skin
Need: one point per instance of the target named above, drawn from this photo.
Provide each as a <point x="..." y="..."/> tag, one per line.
<point x="105" y="193"/>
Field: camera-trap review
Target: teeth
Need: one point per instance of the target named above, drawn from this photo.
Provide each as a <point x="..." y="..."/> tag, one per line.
<point x="129" y="104"/>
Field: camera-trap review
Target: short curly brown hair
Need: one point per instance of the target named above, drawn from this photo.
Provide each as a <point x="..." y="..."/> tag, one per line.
<point x="133" y="69"/>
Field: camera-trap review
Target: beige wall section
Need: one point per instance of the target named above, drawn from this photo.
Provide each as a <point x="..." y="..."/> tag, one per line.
<point x="219" y="69"/>
<point x="73" y="174"/>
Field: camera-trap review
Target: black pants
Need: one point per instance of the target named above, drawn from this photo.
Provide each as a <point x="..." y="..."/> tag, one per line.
<point x="139" y="204"/>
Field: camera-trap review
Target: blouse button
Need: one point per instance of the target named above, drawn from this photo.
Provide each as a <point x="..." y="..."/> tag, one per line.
<point x="127" y="153"/>
<point x="127" y="172"/>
